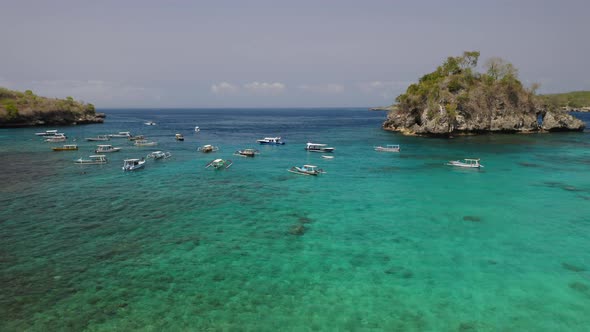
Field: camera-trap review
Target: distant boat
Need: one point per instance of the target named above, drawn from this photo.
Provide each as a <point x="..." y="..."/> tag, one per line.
<point x="136" y="138"/>
<point x="316" y="147"/>
<point x="142" y="143"/>
<point x="93" y="160"/>
<point x="98" y="138"/>
<point x="133" y="164"/>
<point x="208" y="148"/>
<point x="388" y="148"/>
<point x="467" y="163"/>
<point x="52" y="132"/>
<point x="159" y="155"/>
<point x="247" y="153"/>
<point x="179" y="137"/>
<point x="149" y="123"/>
<point x="271" y="141"/>
<point x="106" y="149"/>
<point x="121" y="134"/>
<point x="306" y="170"/>
<point x="55" y="138"/>
<point x="69" y="147"/>
<point x="197" y="129"/>
<point x="219" y="164"/>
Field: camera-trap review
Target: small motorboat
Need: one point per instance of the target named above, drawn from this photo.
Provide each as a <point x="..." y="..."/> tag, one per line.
<point x="197" y="129"/>
<point x="467" y="163"/>
<point x="98" y="138"/>
<point x="219" y="164"/>
<point x="327" y="157"/>
<point x="306" y="170"/>
<point x="49" y="133"/>
<point x="149" y="123"/>
<point x="247" y="153"/>
<point x="133" y="164"/>
<point x="159" y="155"/>
<point x="179" y="137"/>
<point x="136" y="138"/>
<point x="93" y="160"/>
<point x="106" y="149"/>
<point x="69" y="147"/>
<point x="207" y="148"/>
<point x="55" y="138"/>
<point x="142" y="143"/>
<point x="121" y="134"/>
<point x="271" y="141"/>
<point x="316" y="147"/>
<point x="388" y="148"/>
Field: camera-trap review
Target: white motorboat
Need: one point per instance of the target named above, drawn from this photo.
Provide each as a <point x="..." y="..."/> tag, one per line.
<point x="47" y="133"/>
<point x="106" y="149"/>
<point x="179" y="137"/>
<point x="133" y="164"/>
<point x="388" y="148"/>
<point x="207" y="148"/>
<point x="327" y="157"/>
<point x="93" y="160"/>
<point x="159" y="155"/>
<point x="67" y="147"/>
<point x="98" y="138"/>
<point x="467" y="163"/>
<point x="317" y="147"/>
<point x="121" y="134"/>
<point x="247" y="153"/>
<point x="136" y="138"/>
<point x="150" y="123"/>
<point x="142" y="143"/>
<point x="306" y="170"/>
<point x="197" y="129"/>
<point x="219" y="164"/>
<point x="55" y="138"/>
<point x="271" y="141"/>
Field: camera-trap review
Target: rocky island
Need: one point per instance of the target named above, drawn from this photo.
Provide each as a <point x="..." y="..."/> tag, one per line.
<point x="457" y="100"/>
<point x="20" y="109"/>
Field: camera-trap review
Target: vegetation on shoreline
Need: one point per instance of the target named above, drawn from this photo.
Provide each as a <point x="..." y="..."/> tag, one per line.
<point x="27" y="109"/>
<point x="569" y="100"/>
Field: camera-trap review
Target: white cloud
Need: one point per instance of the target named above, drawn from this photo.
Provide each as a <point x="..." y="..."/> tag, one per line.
<point x="324" y="89"/>
<point x="263" y="88"/>
<point x="224" y="88"/>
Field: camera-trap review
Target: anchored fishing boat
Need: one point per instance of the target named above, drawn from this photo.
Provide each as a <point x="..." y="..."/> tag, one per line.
<point x="106" y="149"/>
<point x="159" y="155"/>
<point x="136" y="138"/>
<point x="142" y="143"/>
<point x="56" y="138"/>
<point x="467" y="163"/>
<point x="388" y="148"/>
<point x="92" y="160"/>
<point x="133" y="164"/>
<point x="271" y="141"/>
<point x="49" y="133"/>
<point x="208" y="148"/>
<point x="317" y="147"/>
<point x="247" y="153"/>
<point x="121" y="134"/>
<point x="98" y="138"/>
<point x="306" y="170"/>
<point x="219" y="164"/>
<point x="179" y="137"/>
<point x="68" y="147"/>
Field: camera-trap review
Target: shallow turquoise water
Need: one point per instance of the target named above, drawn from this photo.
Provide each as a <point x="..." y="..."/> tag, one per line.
<point x="391" y="241"/>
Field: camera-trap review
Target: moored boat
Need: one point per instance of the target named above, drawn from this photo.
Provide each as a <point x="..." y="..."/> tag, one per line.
<point x="106" y="149"/>
<point x="179" y="137"/>
<point x="271" y="141"/>
<point x="317" y="147"/>
<point x="68" y="147"/>
<point x="219" y="164"/>
<point x="159" y="155"/>
<point x="136" y="138"/>
<point x="98" y="138"/>
<point x="121" y="134"/>
<point x="247" y="153"/>
<point x="49" y="133"/>
<point x="207" y="148"/>
<point x="388" y="148"/>
<point x="143" y="142"/>
<point x="93" y="160"/>
<point x="197" y="129"/>
<point x="150" y="123"/>
<point x="466" y="163"/>
<point x="55" y="138"/>
<point x="306" y="170"/>
<point x="133" y="164"/>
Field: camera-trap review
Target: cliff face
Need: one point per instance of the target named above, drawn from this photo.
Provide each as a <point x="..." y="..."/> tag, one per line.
<point x="18" y="109"/>
<point x="455" y="100"/>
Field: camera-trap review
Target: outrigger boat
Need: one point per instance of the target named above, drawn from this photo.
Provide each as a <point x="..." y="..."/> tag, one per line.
<point x="316" y="147"/>
<point x="121" y="134"/>
<point x="271" y="141"/>
<point x="98" y="138"/>
<point x="142" y="142"/>
<point x="150" y="123"/>
<point x="467" y="163"/>
<point x="219" y="164"/>
<point x="136" y="138"/>
<point x="93" y="160"/>
<point x="56" y="138"/>
<point x="159" y="155"/>
<point x="207" y="148"/>
<point x="49" y="133"/>
<point x="133" y="164"/>
<point x="106" y="149"/>
<point x="70" y="147"/>
<point x="179" y="137"/>
<point x="306" y="170"/>
<point x="388" y="148"/>
<point x="247" y="153"/>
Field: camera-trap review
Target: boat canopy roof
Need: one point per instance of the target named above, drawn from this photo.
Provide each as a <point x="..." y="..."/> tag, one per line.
<point x="467" y="159"/>
<point x="206" y="146"/>
<point x="98" y="156"/>
<point x="70" y="145"/>
<point x="316" y="144"/>
<point x="309" y="166"/>
<point x="104" y="145"/>
<point x="393" y="145"/>
<point x="218" y="160"/>
<point x="130" y="160"/>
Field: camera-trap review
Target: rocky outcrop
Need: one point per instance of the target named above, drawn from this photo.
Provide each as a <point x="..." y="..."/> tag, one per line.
<point x="54" y="118"/>
<point x="561" y="121"/>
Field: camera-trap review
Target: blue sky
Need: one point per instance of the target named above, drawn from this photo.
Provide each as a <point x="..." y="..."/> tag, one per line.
<point x="278" y="53"/>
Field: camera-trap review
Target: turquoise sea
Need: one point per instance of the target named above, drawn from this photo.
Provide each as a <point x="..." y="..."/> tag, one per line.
<point x="381" y="242"/>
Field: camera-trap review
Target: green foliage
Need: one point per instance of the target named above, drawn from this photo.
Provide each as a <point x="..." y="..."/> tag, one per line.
<point x="29" y="93"/>
<point x="11" y="111"/>
<point x="575" y="99"/>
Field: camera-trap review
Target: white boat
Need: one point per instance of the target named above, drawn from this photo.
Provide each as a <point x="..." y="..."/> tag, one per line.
<point x="271" y="141"/>
<point x="93" y="160"/>
<point x="143" y="142"/>
<point x="388" y="148"/>
<point x="317" y="147"/>
<point x="219" y="164"/>
<point x="247" y="153"/>
<point x="98" y="138"/>
<point x="106" y="149"/>
<point x="327" y="157"/>
<point x="197" y="129"/>
<point x="159" y="155"/>
<point x="121" y="134"/>
<point x="179" y="137"/>
<point x="150" y="123"/>
<point x="207" y="148"/>
<point x="68" y="147"/>
<point x="467" y="163"/>
<point x="55" y="138"/>
<point x="306" y="170"/>
<point x="52" y="132"/>
<point x="133" y="164"/>
<point x="136" y="138"/>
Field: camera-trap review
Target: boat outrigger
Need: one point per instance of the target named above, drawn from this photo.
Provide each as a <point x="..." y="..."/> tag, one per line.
<point x="93" y="160"/>
<point x="106" y="149"/>
<point x="98" y="138"/>
<point x="133" y="164"/>
<point x="159" y="155"/>
<point x="247" y="153"/>
<point x="388" y="148"/>
<point x="271" y="141"/>
<point x="208" y="148"/>
<point x="306" y="170"/>
<point x="219" y="164"/>
<point x="69" y="147"/>
<point x="179" y="137"/>
<point x="467" y="163"/>
<point x="316" y="147"/>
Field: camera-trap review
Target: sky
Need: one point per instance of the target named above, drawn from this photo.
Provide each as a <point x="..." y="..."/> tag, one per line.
<point x="302" y="53"/>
